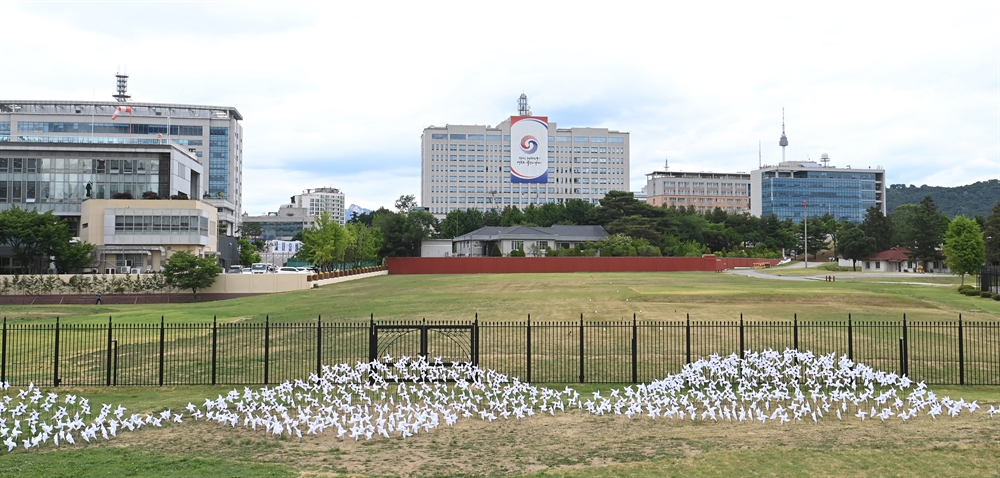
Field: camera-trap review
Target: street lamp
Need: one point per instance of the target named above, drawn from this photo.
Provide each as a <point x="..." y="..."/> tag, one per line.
<point x="805" y="233"/>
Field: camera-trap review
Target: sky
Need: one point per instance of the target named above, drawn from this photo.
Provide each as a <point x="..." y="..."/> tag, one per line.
<point x="337" y="93"/>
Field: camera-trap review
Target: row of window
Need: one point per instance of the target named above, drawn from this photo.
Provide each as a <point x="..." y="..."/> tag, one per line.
<point x="684" y="184"/>
<point x="159" y="224"/>
<point x="506" y="137"/>
<point x="76" y="165"/>
<point x="507" y="200"/>
<point x="506" y="147"/>
<point x="506" y="159"/>
<point x="106" y="128"/>
<point x="445" y="210"/>
<point x="697" y="192"/>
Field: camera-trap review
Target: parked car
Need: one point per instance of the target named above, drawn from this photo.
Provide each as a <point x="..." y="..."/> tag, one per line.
<point x="259" y="268"/>
<point x="235" y="270"/>
<point x="289" y="270"/>
<point x="247" y="270"/>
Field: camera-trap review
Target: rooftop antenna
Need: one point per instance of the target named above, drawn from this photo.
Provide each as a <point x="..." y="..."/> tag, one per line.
<point x="667" y="164"/>
<point x="760" y="163"/>
<point x="522" y="105"/>
<point x="122" y="95"/>
<point x="825" y="159"/>
<point x="784" y="139"/>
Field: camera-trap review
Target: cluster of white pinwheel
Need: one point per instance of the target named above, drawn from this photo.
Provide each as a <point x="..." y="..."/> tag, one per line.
<point x="402" y="397"/>
<point x="31" y="418"/>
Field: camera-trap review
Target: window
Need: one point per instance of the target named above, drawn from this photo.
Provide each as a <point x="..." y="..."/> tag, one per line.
<point x="517" y="245"/>
<point x="581" y="139"/>
<point x="616" y="140"/>
<point x="475" y="137"/>
<point x="439" y="136"/>
<point x="493" y="137"/>
<point x="457" y="136"/>
<point x="564" y="139"/>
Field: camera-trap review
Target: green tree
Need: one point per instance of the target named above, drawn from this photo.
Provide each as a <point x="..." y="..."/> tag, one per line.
<point x="70" y="255"/>
<point x="817" y="235"/>
<point x="461" y="221"/>
<point x="325" y="243"/>
<point x="964" y="249"/>
<point x="366" y="243"/>
<point x="185" y="270"/>
<point x="580" y="212"/>
<point x="31" y="235"/>
<point x="924" y="231"/>
<point x="511" y="216"/>
<point x="251" y="230"/>
<point x="878" y="226"/>
<point x="403" y="233"/>
<point x="248" y="252"/>
<point x="855" y="245"/>
<point x="406" y="203"/>
<point x="991" y="236"/>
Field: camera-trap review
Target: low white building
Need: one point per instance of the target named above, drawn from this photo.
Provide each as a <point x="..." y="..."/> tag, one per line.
<point x="531" y="240"/>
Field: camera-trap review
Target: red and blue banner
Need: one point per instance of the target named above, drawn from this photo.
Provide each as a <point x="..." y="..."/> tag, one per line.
<point x="529" y="146"/>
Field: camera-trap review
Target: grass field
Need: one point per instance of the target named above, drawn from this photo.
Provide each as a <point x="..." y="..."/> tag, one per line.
<point x="604" y="296"/>
<point x="573" y="444"/>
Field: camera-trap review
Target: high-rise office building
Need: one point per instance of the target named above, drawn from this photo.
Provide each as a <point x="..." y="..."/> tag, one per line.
<point x="318" y="200"/>
<point x="213" y="135"/>
<point x="469" y="166"/>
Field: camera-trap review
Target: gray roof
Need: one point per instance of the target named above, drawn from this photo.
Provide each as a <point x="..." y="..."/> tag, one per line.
<point x="554" y="233"/>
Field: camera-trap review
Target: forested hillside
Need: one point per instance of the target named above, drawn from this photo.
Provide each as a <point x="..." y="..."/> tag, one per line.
<point x="969" y="200"/>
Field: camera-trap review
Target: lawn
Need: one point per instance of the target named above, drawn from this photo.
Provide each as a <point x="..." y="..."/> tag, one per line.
<point x="571" y="444"/>
<point x="598" y="296"/>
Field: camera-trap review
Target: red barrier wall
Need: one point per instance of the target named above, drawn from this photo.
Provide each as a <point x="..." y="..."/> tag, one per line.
<point x="499" y="265"/>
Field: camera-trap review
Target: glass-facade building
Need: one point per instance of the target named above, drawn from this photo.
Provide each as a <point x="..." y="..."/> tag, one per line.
<point x="211" y="134"/>
<point x="797" y="189"/>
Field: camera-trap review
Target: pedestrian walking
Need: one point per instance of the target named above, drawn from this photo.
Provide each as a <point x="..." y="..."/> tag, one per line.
<point x="99" y="299"/>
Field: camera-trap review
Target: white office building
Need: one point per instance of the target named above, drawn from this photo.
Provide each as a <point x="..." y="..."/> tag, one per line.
<point x="469" y="166"/>
<point x="318" y="200"/>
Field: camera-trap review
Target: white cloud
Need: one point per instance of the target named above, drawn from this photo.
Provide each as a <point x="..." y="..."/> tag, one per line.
<point x="336" y="94"/>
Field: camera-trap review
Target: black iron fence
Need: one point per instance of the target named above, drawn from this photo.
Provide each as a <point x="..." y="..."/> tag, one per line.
<point x="627" y="351"/>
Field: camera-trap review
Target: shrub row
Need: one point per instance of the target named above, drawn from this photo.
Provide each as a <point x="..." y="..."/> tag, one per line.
<point x="972" y="291"/>
<point x="344" y="273"/>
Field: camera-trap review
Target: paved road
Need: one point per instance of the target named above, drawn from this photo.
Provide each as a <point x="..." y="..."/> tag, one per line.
<point x="840" y="275"/>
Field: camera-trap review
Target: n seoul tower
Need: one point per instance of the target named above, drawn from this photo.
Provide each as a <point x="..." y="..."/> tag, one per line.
<point x="784" y="139"/>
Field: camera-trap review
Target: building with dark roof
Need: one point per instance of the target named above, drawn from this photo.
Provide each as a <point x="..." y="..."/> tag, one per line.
<point x="531" y="240"/>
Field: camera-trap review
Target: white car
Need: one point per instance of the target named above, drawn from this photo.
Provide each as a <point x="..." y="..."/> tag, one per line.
<point x="289" y="270"/>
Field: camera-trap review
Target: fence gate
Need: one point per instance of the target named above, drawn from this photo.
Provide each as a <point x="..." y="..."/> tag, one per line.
<point x="453" y="343"/>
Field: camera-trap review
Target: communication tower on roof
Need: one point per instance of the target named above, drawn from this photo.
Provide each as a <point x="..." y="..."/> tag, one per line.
<point x="122" y="96"/>
<point x="784" y="139"/>
<point x="825" y="159"/>
<point x="522" y="105"/>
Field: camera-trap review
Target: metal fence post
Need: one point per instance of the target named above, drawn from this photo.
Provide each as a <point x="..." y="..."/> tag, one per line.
<point x="528" y="350"/>
<point x="687" y="338"/>
<point x="161" y="350"/>
<point x="635" y="353"/>
<point x="906" y="358"/>
<point x="55" y="361"/>
<point x="3" y="353"/>
<point x="108" y="381"/>
<point x="742" y="345"/>
<point x="319" y="345"/>
<point x="372" y="340"/>
<point x="267" y="345"/>
<point x="961" y="353"/>
<point x="215" y="345"/>
<point x="475" y="342"/>
<point x="850" y="338"/>
<point x="581" y="349"/>
<point x="795" y="332"/>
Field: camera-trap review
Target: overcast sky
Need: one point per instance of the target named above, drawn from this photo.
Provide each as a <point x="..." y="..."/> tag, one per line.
<point x="337" y="93"/>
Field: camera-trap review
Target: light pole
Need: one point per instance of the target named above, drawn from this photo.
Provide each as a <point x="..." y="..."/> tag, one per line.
<point x="805" y="233"/>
